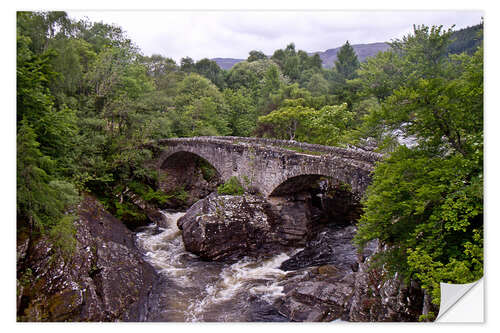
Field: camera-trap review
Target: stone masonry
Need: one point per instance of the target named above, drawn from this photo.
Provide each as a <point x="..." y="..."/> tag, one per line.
<point x="264" y="164"/>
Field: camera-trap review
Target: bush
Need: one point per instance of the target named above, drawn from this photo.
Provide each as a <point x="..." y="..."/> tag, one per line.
<point x="63" y="234"/>
<point x="207" y="170"/>
<point x="231" y="187"/>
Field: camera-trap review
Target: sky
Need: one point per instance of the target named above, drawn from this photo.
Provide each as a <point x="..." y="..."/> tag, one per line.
<point x="232" y="34"/>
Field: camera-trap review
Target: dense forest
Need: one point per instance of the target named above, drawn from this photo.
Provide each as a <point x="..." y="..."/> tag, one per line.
<point x="88" y="100"/>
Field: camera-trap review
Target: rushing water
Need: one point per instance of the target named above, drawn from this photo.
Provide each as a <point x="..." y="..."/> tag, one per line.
<point x="199" y="290"/>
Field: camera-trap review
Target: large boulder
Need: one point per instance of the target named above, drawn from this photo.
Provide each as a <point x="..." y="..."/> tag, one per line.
<point x="104" y="279"/>
<point x="220" y="227"/>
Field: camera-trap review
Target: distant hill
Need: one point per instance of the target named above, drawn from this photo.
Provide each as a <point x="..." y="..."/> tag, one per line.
<point x="227" y="63"/>
<point x="363" y="51"/>
<point x="328" y="57"/>
<point x="465" y="40"/>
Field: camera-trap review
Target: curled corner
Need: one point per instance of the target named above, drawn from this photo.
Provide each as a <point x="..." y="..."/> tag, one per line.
<point x="462" y="303"/>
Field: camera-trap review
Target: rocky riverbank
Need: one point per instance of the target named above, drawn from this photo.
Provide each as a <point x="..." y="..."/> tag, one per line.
<point x="325" y="281"/>
<point x="105" y="279"/>
<point x="243" y="253"/>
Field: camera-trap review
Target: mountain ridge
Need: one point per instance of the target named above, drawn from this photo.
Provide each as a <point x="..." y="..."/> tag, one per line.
<point x="328" y="56"/>
<point x="463" y="40"/>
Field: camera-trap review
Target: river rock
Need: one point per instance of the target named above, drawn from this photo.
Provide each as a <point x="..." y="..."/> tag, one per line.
<point x="294" y="212"/>
<point x="219" y="227"/>
<point x="378" y="297"/>
<point x="329" y="280"/>
<point x="331" y="245"/>
<point x="104" y="279"/>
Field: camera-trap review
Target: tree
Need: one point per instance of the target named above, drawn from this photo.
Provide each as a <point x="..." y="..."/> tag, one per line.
<point x="242" y="112"/>
<point x="380" y="75"/>
<point x="296" y="120"/>
<point x="347" y="62"/>
<point x="256" y="55"/>
<point x="317" y="85"/>
<point x="212" y="71"/>
<point x="289" y="121"/>
<point x="187" y="65"/>
<point x="315" y="61"/>
<point x="426" y="202"/>
<point x="199" y="108"/>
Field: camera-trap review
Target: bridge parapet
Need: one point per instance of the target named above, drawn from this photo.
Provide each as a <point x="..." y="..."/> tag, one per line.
<point x="351" y="153"/>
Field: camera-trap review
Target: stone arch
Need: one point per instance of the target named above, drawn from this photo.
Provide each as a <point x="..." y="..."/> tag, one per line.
<point x="168" y="154"/>
<point x="330" y="199"/>
<point x="187" y="176"/>
<point x="296" y="184"/>
<point x="351" y="177"/>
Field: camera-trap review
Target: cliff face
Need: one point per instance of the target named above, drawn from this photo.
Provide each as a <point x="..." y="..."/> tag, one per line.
<point x="105" y="279"/>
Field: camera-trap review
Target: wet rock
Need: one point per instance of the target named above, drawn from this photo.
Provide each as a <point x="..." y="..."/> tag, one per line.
<point x="327" y="297"/>
<point x="104" y="279"/>
<point x="337" y="283"/>
<point x="378" y="297"/>
<point x="331" y="245"/>
<point x="261" y="311"/>
<point x="220" y="227"/>
<point x="295" y="215"/>
<point x="297" y="311"/>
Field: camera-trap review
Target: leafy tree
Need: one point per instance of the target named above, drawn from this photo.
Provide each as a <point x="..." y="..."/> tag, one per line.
<point x="242" y="112"/>
<point x="200" y="108"/>
<point x="426" y="202"/>
<point x="288" y="121"/>
<point x="317" y="85"/>
<point x="315" y="61"/>
<point x="256" y="55"/>
<point x="380" y="75"/>
<point x="188" y="65"/>
<point x="212" y="71"/>
<point x="297" y="121"/>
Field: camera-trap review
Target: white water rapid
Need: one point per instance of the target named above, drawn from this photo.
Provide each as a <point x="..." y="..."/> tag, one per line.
<point x="200" y="290"/>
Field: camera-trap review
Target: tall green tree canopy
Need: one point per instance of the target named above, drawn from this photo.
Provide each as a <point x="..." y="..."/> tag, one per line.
<point x="347" y="62"/>
<point x="426" y="202"/>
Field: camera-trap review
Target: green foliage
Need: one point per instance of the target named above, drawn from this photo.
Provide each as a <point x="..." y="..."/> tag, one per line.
<point x="201" y="108"/>
<point x="43" y="137"/>
<point x="378" y="76"/>
<point x="179" y="194"/>
<point x="156" y="197"/>
<point x="62" y="235"/>
<point x="256" y="55"/>
<point x="212" y="71"/>
<point x="207" y="170"/>
<point x="295" y="121"/>
<point x="231" y="187"/>
<point x="129" y="213"/>
<point x="347" y="62"/>
<point x="241" y="111"/>
<point x="466" y="40"/>
<point x="289" y="121"/>
<point x="426" y="202"/>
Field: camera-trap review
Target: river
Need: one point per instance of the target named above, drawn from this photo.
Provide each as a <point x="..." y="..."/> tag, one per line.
<point x="198" y="290"/>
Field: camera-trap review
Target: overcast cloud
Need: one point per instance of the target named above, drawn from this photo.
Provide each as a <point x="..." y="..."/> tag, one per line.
<point x="232" y="34"/>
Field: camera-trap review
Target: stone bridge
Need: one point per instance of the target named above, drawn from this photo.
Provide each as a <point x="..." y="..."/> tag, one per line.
<point x="270" y="166"/>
